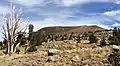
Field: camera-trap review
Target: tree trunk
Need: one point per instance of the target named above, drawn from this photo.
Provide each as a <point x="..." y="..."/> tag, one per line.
<point x="12" y="48"/>
<point x="15" y="48"/>
<point x="8" y="49"/>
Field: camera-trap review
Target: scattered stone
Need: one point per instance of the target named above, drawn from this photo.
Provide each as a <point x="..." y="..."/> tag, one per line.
<point x="85" y="41"/>
<point x="115" y="48"/>
<point x="76" y="58"/>
<point x="53" y="58"/>
<point x="86" y="61"/>
<point x="55" y="51"/>
<point x="67" y="55"/>
<point x="52" y="54"/>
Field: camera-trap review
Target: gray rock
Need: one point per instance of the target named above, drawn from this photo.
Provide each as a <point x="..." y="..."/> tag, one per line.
<point x="85" y="41"/>
<point x="53" y="58"/>
<point x="76" y="58"/>
<point x="53" y="51"/>
<point x="115" y="47"/>
<point x="52" y="54"/>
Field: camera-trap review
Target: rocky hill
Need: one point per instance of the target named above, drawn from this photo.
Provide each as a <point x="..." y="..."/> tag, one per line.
<point x="69" y="29"/>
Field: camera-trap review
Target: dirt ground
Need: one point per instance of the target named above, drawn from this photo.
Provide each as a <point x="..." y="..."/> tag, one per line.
<point x="69" y="55"/>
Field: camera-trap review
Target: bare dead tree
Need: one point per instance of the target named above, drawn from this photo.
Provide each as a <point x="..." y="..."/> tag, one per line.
<point x="11" y="29"/>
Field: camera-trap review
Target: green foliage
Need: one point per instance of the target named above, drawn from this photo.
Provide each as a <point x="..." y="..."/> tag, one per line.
<point x="116" y="36"/>
<point x="92" y="38"/>
<point x="115" y="31"/>
<point x="38" y="38"/>
<point x="78" y="38"/>
<point x="70" y="36"/>
<point x="85" y="36"/>
<point x="32" y="39"/>
<point x="111" y="40"/>
<point x="31" y="27"/>
<point x="102" y="42"/>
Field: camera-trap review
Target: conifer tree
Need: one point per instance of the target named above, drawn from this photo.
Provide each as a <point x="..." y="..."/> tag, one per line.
<point x="31" y="38"/>
<point x="92" y="38"/>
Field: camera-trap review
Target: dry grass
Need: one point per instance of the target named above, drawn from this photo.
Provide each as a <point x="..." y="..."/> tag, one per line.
<point x="86" y="54"/>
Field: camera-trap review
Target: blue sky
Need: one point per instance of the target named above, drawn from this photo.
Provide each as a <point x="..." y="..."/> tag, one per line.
<point x="42" y="13"/>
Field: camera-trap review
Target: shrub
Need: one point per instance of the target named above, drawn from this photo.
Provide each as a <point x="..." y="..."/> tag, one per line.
<point x="92" y="38"/>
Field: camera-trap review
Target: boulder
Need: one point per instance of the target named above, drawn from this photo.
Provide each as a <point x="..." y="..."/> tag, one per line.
<point x="53" y="58"/>
<point x="115" y="47"/>
<point x="54" y="51"/>
<point x="85" y="41"/>
<point x="52" y="54"/>
<point x="76" y="58"/>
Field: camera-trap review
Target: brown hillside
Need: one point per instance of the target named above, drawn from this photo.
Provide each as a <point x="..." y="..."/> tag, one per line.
<point x="68" y="29"/>
<point x="86" y="29"/>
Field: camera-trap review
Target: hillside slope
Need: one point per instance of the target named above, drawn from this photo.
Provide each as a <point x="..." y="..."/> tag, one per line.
<point x="69" y="29"/>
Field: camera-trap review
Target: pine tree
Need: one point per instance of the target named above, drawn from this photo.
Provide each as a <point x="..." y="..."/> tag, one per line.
<point x="92" y="38"/>
<point x="116" y="36"/>
<point x="102" y="42"/>
<point x="31" y="39"/>
<point x="115" y="32"/>
<point x="111" y="40"/>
